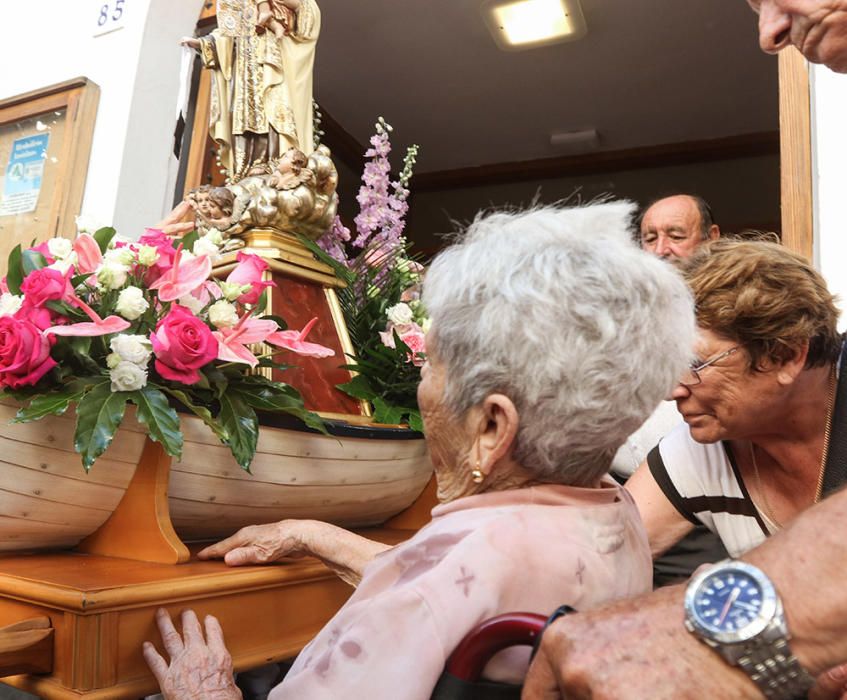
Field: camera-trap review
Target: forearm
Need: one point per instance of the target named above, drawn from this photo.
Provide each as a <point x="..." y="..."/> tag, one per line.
<point x="346" y="553"/>
<point x="806" y="563"/>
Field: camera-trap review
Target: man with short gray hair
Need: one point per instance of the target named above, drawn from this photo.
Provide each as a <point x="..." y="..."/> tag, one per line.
<point x="674" y="227"/>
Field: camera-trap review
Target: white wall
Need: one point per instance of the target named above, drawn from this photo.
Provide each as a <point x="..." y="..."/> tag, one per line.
<point x="137" y="70"/>
<point x="829" y="165"/>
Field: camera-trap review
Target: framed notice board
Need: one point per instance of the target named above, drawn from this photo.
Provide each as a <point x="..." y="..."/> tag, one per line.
<point x="45" y="143"/>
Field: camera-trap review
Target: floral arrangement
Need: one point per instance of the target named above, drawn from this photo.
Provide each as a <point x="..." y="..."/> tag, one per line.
<point x="100" y="322"/>
<point x="381" y="304"/>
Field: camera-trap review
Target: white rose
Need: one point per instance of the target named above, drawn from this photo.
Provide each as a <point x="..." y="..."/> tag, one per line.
<point x="132" y="348"/>
<point x="111" y="275"/>
<point x="127" y="376"/>
<point x="206" y="246"/>
<point x="122" y="256"/>
<point x="87" y="224"/>
<point x="131" y="303"/>
<point x="426" y="324"/>
<point x="400" y="314"/>
<point x="214" y="236"/>
<point x="147" y="255"/>
<point x="10" y="303"/>
<point x="192" y="303"/>
<point x="222" y="314"/>
<point x="59" y="247"/>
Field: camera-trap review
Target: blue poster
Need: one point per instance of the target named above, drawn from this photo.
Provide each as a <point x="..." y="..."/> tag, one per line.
<point x="22" y="183"/>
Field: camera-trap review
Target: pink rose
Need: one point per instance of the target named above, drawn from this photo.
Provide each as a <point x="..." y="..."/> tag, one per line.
<point x="24" y="353"/>
<point x="249" y="270"/>
<point x="182" y="344"/>
<point x="44" y="285"/>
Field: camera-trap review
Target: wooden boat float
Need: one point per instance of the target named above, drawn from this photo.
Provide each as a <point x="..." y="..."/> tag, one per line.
<point x="361" y="475"/>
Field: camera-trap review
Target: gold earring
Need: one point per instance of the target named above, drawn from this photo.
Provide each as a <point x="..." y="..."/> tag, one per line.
<point x="476" y="474"/>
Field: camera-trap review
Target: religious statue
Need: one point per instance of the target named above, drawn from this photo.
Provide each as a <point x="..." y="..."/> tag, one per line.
<point x="262" y="56"/>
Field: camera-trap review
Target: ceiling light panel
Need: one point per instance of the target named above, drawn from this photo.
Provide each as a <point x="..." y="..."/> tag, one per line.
<point x="523" y="24"/>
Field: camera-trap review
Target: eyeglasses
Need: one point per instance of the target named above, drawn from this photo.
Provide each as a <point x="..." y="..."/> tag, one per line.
<point x="692" y="377"/>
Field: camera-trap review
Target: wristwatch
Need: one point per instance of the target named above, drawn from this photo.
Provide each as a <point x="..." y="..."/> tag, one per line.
<point x="734" y="608"/>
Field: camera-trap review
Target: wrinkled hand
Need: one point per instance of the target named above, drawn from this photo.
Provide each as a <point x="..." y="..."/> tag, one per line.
<point x="831" y="685"/>
<point x="173" y="224"/>
<point x="199" y="669"/>
<point x="260" y="544"/>
<point x="632" y="649"/>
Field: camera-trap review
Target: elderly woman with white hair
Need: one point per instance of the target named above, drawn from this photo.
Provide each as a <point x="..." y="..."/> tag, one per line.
<point x="553" y="337"/>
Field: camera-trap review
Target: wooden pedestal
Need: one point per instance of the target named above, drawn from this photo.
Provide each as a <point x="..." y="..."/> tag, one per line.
<point x="102" y="608"/>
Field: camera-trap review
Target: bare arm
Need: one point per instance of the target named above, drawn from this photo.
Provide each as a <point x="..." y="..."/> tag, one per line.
<point x="346" y="553"/>
<point x="664" y="524"/>
<point x="602" y="654"/>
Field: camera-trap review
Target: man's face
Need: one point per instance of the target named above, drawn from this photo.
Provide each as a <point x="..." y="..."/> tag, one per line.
<point x="671" y="228"/>
<point x="818" y="28"/>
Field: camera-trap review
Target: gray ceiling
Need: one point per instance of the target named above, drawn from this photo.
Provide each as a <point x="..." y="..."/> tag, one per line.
<point x="648" y="72"/>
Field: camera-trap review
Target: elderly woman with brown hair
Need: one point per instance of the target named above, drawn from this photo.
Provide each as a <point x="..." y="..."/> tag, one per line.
<point x="765" y="403"/>
<point x="553" y="337"/>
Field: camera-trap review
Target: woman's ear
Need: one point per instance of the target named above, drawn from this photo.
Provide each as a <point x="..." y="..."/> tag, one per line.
<point x="789" y="370"/>
<point x="497" y="427"/>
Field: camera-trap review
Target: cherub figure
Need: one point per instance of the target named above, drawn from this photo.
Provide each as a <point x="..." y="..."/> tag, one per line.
<point x="291" y="170"/>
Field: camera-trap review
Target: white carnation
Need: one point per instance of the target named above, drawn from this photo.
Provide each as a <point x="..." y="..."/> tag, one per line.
<point x="111" y="275"/>
<point x="192" y="303"/>
<point x="400" y="314"/>
<point x="128" y="376"/>
<point x="131" y="303"/>
<point x="233" y="290"/>
<point x="122" y="256"/>
<point x="10" y="303"/>
<point x="59" y="247"/>
<point x="63" y="265"/>
<point x="147" y="255"/>
<point x="222" y="314"/>
<point x="132" y="348"/>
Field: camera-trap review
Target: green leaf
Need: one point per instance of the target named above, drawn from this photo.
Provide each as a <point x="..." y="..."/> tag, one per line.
<point x="98" y="415"/>
<point x="104" y="236"/>
<point x="15" y="273"/>
<point x="189" y="239"/>
<point x="32" y="260"/>
<point x="242" y="426"/>
<point x="383" y="413"/>
<point x="415" y="421"/>
<point x="262" y="304"/>
<point x="201" y="412"/>
<point x="161" y="420"/>
<point x="53" y="404"/>
<point x="358" y="387"/>
<point x="277" y="398"/>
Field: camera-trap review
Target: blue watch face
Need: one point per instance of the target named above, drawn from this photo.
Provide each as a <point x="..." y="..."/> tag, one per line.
<point x="728" y="601"/>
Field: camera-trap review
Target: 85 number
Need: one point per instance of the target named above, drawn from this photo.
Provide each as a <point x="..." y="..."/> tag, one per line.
<point x="115" y="15"/>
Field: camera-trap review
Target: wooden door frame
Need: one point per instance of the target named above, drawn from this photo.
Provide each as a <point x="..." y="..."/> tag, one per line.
<point x="795" y="136"/>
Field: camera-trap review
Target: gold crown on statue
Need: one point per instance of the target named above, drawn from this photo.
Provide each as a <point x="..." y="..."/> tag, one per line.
<point x="237" y="17"/>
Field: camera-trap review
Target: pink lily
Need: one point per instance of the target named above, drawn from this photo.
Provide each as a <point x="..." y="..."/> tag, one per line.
<point x="88" y="255"/>
<point x="183" y="278"/>
<point x="233" y="342"/>
<point x="99" y="326"/>
<point x="296" y="342"/>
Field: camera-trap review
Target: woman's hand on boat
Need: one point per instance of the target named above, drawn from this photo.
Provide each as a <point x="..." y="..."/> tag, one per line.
<point x="199" y="667"/>
<point x="261" y="544"/>
<point x="345" y="552"/>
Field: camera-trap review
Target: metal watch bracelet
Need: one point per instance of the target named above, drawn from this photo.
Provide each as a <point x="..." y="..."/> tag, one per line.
<point x="775" y="670"/>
